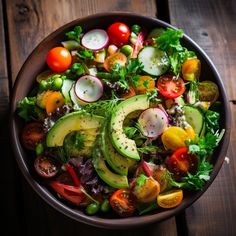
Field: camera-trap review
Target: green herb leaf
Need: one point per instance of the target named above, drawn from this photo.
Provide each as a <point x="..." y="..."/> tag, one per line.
<point x="140" y="181"/>
<point x="75" y="33"/>
<point x="147" y="149"/>
<point x="144" y="208"/>
<point x="212" y="121"/>
<point x="133" y="66"/>
<point x="84" y="53"/>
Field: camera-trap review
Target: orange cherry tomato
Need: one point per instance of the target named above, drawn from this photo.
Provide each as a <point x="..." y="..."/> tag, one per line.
<point x="54" y="101"/>
<point x="170" y="199"/>
<point x="116" y="58"/>
<point x="145" y="84"/>
<point x="191" y="69"/>
<point x="59" y="59"/>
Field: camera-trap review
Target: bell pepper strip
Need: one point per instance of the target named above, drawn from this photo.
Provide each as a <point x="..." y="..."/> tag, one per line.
<point x="139" y="44"/>
<point x="73" y="174"/>
<point x="68" y="192"/>
<point x="146" y="169"/>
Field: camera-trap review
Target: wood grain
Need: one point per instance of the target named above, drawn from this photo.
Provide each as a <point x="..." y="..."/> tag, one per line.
<point x="211" y="24"/>
<point x="29" y="21"/>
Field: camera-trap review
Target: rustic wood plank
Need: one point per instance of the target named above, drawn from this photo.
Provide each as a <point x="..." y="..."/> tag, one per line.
<point x="29" y="21"/>
<point x="211" y="24"/>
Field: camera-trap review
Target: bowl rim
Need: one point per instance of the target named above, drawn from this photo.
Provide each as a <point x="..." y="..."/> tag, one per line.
<point x="133" y="221"/>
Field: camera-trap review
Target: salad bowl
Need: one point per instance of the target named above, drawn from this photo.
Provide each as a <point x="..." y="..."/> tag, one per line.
<point x="25" y="82"/>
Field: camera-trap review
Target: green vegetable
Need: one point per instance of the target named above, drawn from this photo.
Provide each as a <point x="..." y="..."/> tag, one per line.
<point x="39" y="149"/>
<point x="133" y="67"/>
<point x="169" y="41"/>
<point x="147" y="149"/>
<point x="105" y="206"/>
<point x="57" y="83"/>
<point x="84" y="53"/>
<point x="136" y="29"/>
<point x="127" y="50"/>
<point x="212" y="121"/>
<point x="92" y="208"/>
<point x="43" y="85"/>
<point x="27" y="109"/>
<point x="75" y="33"/>
<point x="197" y="180"/>
<point x="140" y="181"/>
<point x="144" y="208"/>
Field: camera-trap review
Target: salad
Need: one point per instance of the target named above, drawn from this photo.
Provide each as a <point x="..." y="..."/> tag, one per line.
<point x="122" y="120"/>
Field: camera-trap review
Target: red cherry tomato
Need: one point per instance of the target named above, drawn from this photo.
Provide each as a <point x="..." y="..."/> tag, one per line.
<point x="59" y="59"/>
<point x="32" y="135"/>
<point x="181" y="162"/>
<point x="171" y="87"/>
<point x="71" y="193"/>
<point x="118" y="34"/>
<point x="45" y="167"/>
<point x="122" y="203"/>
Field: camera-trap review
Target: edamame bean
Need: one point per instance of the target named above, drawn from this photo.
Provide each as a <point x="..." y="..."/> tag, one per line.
<point x="92" y="208"/>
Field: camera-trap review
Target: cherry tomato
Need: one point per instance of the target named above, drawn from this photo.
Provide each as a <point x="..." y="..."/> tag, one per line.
<point x="170" y="87"/>
<point x="145" y="84"/>
<point x="118" y="34"/>
<point x="122" y="203"/>
<point x="59" y="59"/>
<point x="71" y="193"/>
<point x="116" y="58"/>
<point x="208" y="91"/>
<point x="170" y="199"/>
<point x="181" y="162"/>
<point x="191" y="69"/>
<point x="160" y="174"/>
<point x="45" y="167"/>
<point x="32" y="135"/>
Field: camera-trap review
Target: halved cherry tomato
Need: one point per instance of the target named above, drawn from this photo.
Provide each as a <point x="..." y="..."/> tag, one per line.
<point x="128" y="93"/>
<point x="116" y="58"/>
<point x="54" y="101"/>
<point x="181" y="162"/>
<point x="191" y="69"/>
<point x="170" y="199"/>
<point x="59" y="59"/>
<point x="45" y="167"/>
<point x="118" y="34"/>
<point x="32" y="134"/>
<point x="122" y="203"/>
<point x="170" y="86"/>
<point x="160" y="174"/>
<point x="145" y="84"/>
<point x="68" y="192"/>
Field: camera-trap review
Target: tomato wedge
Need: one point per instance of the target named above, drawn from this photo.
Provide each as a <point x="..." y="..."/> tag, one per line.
<point x="170" y="199"/>
<point x="32" y="135"/>
<point x="181" y="162"/>
<point x="122" y="203"/>
<point x="170" y="86"/>
<point x="69" y="192"/>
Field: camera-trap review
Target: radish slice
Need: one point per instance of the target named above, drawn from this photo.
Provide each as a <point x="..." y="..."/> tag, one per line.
<point x="95" y="40"/>
<point x="88" y="88"/>
<point x="153" y="122"/>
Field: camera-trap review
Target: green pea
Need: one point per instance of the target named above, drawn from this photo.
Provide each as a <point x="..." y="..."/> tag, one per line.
<point x="135" y="29"/>
<point x="92" y="208"/>
<point x="43" y="85"/>
<point x="39" y="149"/>
<point x="127" y="50"/>
<point x="105" y="206"/>
<point x="57" y="83"/>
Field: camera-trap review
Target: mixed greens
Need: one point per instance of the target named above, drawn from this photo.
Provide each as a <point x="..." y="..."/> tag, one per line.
<point x="121" y="121"/>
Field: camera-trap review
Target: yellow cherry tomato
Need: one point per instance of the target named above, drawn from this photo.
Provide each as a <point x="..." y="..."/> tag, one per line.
<point x="170" y="199"/>
<point x="145" y="84"/>
<point x="191" y="69"/>
<point x="190" y="132"/>
<point x="174" y="137"/>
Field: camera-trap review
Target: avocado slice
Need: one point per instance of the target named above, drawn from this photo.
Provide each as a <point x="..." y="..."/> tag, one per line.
<point x="75" y="121"/>
<point x="118" y="163"/>
<point x="125" y="146"/>
<point x="112" y="179"/>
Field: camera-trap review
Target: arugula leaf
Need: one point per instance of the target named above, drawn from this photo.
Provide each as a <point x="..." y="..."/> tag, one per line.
<point x="27" y="109"/>
<point x="75" y="33"/>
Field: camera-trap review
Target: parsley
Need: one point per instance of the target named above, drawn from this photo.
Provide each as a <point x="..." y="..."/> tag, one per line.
<point x="27" y="109"/>
<point x="119" y="74"/>
<point x="212" y="121"/>
<point x="75" y="33"/>
<point x="84" y="53"/>
<point x="194" y="181"/>
<point x="133" y="66"/>
<point x="169" y="41"/>
<point x="140" y="181"/>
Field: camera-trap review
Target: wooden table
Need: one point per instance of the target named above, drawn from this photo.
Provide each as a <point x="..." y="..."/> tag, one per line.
<point x="24" y="23"/>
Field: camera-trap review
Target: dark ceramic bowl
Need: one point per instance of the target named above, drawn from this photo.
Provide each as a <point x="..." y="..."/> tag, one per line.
<point x="36" y="63"/>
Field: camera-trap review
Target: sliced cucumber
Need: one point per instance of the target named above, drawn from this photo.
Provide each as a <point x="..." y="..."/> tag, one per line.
<point x="195" y="118"/>
<point x="155" y="62"/>
<point x="65" y="89"/>
<point x="75" y="101"/>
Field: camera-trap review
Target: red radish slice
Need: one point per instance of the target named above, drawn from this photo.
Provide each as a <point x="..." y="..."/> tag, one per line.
<point x="88" y="88"/>
<point x="95" y="40"/>
<point x="153" y="122"/>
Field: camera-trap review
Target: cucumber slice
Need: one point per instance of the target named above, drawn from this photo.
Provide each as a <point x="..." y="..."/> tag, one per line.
<point x="65" y="89"/>
<point x="75" y="101"/>
<point x="195" y="118"/>
<point x="155" y="62"/>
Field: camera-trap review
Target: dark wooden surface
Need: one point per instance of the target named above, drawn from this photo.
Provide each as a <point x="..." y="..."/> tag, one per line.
<point x="24" y="23"/>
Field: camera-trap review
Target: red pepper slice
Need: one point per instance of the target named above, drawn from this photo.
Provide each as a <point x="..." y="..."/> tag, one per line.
<point x="73" y="174"/>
